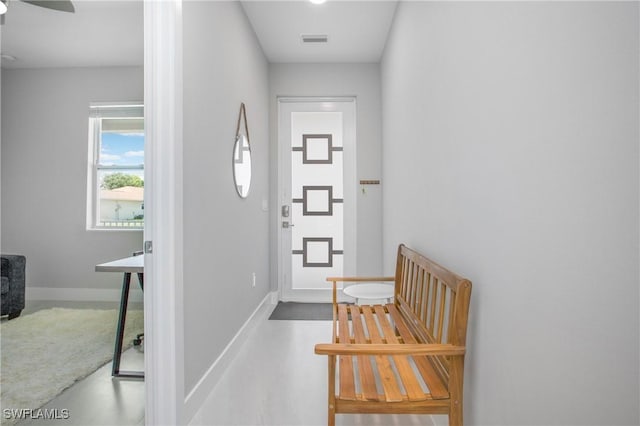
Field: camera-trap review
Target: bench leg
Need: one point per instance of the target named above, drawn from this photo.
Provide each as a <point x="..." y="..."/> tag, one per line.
<point x="331" y="420"/>
<point x="455" y="391"/>
<point x="455" y="416"/>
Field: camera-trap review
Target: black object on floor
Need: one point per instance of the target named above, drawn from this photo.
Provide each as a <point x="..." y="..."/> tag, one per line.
<point x="302" y="311"/>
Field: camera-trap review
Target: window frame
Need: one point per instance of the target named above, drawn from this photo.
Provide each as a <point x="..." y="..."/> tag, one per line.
<point x="97" y="112"/>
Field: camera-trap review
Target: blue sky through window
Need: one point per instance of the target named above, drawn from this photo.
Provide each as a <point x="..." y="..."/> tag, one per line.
<point x="122" y="149"/>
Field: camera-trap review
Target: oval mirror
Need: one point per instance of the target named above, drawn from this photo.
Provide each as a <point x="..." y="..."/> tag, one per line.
<point x="242" y="165"/>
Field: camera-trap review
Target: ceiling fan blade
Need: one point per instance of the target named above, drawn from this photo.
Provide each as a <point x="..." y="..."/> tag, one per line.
<point x="61" y="5"/>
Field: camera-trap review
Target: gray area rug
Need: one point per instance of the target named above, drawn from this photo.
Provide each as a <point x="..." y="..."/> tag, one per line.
<point x="302" y="311"/>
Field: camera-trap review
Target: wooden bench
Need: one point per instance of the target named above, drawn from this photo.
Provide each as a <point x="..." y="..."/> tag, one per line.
<point x="404" y="357"/>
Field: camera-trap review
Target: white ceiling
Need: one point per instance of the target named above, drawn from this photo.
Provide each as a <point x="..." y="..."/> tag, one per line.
<point x="99" y="33"/>
<point x="357" y="30"/>
<point x="110" y="32"/>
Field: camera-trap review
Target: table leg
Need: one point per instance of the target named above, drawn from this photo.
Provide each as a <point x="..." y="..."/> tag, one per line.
<point x="117" y="354"/>
<point x="138" y="340"/>
<point x="141" y="280"/>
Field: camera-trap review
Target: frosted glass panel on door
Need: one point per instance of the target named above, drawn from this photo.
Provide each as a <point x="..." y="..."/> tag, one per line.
<point x="317" y="198"/>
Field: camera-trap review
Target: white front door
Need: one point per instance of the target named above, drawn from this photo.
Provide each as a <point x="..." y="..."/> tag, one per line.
<point x="317" y="194"/>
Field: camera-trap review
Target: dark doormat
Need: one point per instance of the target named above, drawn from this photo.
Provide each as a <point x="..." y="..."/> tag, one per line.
<point x="302" y="311"/>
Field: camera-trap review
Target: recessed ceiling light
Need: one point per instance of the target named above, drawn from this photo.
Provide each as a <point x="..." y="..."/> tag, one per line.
<point x="3" y="7"/>
<point x="317" y="1"/>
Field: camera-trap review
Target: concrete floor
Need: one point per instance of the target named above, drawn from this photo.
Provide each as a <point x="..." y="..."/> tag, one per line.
<point x="276" y="379"/>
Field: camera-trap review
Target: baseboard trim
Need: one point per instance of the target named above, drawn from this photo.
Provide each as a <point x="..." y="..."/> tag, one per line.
<point x="196" y="398"/>
<point x="81" y="294"/>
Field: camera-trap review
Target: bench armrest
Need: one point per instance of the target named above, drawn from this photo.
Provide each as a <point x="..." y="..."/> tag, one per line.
<point x="387" y="349"/>
<point x="336" y="280"/>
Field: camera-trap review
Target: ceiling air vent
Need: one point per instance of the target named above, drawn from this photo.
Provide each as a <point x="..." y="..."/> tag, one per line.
<point x="314" y="38"/>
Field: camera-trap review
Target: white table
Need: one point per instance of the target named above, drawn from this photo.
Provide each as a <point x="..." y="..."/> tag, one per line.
<point x="370" y="291"/>
<point x="132" y="264"/>
<point x="127" y="265"/>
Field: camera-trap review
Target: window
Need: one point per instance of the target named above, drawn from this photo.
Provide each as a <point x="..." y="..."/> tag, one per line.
<point x="115" y="197"/>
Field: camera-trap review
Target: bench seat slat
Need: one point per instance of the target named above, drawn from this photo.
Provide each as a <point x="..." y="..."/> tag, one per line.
<point x="347" y="383"/>
<point x="387" y="377"/>
<point x="407" y="376"/>
<point x="429" y="375"/>
<point x="367" y="379"/>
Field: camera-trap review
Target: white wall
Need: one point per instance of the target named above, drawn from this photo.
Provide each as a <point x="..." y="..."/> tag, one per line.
<point x="225" y="237"/>
<point x="45" y="116"/>
<point x="327" y="80"/>
<point x="511" y="156"/>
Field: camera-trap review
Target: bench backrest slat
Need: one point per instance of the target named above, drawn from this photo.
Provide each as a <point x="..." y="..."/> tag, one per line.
<point x="435" y="300"/>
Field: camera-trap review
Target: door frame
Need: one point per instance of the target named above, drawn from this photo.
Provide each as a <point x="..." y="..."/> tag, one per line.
<point x="163" y="313"/>
<point x="350" y="197"/>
